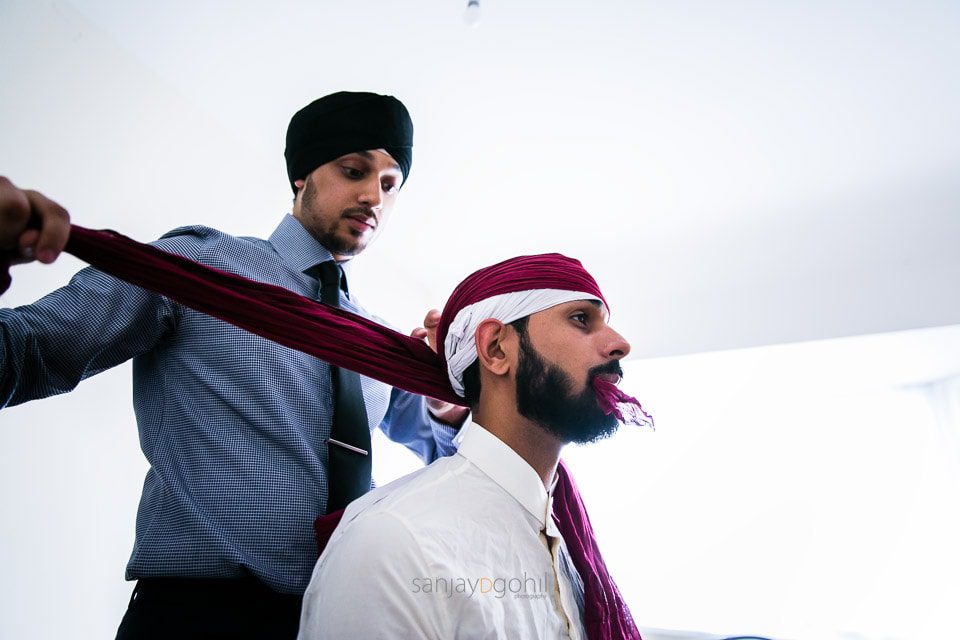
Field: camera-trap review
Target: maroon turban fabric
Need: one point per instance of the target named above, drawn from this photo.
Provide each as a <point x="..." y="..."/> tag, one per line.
<point x="524" y="273"/>
<point x="347" y="340"/>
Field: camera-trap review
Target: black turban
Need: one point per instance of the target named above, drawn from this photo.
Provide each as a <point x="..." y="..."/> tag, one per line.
<point x="343" y="123"/>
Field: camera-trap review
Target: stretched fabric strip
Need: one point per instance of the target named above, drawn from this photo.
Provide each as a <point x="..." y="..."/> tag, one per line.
<point x="337" y="336"/>
<point x="345" y="340"/>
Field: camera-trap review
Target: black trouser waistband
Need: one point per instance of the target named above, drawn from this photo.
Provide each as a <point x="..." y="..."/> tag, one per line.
<point x="233" y="588"/>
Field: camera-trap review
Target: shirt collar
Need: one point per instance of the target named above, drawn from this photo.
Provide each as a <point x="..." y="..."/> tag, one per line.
<point x="298" y="249"/>
<point x="505" y="467"/>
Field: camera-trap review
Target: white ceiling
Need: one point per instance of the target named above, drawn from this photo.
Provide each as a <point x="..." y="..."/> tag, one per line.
<point x="734" y="174"/>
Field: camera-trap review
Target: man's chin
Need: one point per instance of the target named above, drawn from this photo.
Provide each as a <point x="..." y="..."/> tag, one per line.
<point x="578" y="431"/>
<point x="357" y="241"/>
<point x="349" y="246"/>
<point x="600" y="432"/>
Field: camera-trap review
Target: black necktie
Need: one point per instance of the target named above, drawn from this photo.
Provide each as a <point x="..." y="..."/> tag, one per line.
<point x="349" y="461"/>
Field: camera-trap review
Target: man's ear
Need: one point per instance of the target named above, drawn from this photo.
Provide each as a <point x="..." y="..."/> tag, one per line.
<point x="299" y="185"/>
<point x="492" y="352"/>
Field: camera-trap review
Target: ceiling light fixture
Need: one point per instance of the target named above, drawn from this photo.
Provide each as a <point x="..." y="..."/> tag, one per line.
<point x="472" y="15"/>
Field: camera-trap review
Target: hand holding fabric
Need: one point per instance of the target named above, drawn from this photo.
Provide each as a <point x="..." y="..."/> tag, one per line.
<point x="446" y="412"/>
<point x="32" y="226"/>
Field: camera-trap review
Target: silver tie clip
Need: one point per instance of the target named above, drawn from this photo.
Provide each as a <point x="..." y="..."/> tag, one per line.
<point x="347" y="446"/>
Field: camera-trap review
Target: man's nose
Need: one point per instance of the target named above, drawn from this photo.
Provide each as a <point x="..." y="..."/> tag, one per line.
<point x="372" y="194"/>
<point x="616" y="345"/>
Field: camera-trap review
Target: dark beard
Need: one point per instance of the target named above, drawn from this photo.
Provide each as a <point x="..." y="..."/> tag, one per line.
<point x="327" y="236"/>
<point x="544" y="396"/>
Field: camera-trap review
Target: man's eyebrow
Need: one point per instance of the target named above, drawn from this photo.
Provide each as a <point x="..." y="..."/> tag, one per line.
<point x="602" y="308"/>
<point x="369" y="156"/>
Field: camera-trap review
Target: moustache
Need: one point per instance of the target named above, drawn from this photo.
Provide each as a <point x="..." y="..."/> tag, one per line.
<point x="610" y="367"/>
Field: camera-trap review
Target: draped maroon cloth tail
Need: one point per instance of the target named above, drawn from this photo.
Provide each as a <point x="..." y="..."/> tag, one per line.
<point x="345" y="340"/>
<point x="606" y="615"/>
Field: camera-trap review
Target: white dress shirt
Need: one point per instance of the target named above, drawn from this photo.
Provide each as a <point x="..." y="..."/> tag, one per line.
<point x="464" y="548"/>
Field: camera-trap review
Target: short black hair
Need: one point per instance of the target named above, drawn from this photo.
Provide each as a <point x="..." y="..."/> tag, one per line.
<point x="471" y="377"/>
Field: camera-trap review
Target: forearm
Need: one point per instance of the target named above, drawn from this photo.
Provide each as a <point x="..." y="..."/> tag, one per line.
<point x="409" y="422"/>
<point x="90" y="325"/>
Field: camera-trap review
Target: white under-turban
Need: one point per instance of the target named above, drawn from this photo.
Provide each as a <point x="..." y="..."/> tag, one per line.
<point x="460" y="346"/>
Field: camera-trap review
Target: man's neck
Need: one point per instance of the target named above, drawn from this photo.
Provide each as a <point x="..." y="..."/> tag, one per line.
<point x="529" y="440"/>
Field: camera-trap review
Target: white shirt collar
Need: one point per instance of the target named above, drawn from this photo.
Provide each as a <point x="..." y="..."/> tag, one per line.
<point x="504" y="466"/>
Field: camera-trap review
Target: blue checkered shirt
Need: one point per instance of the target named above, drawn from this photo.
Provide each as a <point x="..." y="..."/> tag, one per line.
<point x="233" y="425"/>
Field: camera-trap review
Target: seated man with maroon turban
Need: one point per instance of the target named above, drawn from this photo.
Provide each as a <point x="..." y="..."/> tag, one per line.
<point x="473" y="546"/>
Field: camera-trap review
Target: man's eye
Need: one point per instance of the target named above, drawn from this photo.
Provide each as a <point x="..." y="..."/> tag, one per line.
<point x="390" y="187"/>
<point x="351" y="172"/>
<point x="580" y="318"/>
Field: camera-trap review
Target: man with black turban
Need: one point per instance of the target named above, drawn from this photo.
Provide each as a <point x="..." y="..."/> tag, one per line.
<point x="248" y="441"/>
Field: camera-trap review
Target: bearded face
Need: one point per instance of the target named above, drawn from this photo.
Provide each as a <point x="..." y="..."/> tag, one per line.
<point x="545" y="396"/>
